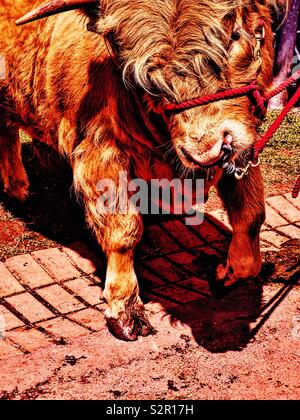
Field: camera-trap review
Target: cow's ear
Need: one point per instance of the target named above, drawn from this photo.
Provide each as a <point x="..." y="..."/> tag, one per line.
<point x="102" y="25"/>
<point x="278" y="5"/>
<point x="98" y="20"/>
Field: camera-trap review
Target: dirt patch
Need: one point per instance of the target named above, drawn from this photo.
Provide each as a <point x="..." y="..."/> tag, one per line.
<point x="283" y="266"/>
<point x="52" y="215"/>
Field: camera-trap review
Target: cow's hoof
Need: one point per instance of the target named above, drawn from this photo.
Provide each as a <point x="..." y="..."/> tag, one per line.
<point x="229" y="276"/>
<point x="131" y="324"/>
<point x="225" y="276"/>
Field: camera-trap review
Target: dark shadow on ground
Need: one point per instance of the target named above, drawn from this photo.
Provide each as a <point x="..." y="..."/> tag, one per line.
<point x="222" y="324"/>
<point x="220" y="320"/>
<point x="52" y="209"/>
<point x="230" y="320"/>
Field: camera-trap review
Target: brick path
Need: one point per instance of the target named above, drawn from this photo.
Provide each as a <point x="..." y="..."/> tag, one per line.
<point x="53" y="295"/>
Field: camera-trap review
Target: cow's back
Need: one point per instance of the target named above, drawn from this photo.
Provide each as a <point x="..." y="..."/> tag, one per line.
<point x="20" y="48"/>
<point x="48" y="65"/>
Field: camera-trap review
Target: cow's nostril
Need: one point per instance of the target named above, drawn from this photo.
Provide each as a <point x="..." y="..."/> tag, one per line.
<point x="226" y="133"/>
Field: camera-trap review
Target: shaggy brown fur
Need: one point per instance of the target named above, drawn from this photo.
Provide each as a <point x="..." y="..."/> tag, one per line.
<point x="96" y="97"/>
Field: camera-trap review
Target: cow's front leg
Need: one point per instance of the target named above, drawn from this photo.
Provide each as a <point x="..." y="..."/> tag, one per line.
<point x="118" y="232"/>
<point x="245" y="204"/>
<point x="125" y="315"/>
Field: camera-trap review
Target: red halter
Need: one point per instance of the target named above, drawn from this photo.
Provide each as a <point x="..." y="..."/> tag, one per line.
<point x="261" y="102"/>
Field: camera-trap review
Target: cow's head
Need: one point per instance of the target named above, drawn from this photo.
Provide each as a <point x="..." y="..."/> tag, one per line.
<point x="181" y="49"/>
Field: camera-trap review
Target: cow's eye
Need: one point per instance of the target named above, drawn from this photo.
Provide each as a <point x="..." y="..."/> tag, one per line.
<point x="236" y="36"/>
<point x="214" y="66"/>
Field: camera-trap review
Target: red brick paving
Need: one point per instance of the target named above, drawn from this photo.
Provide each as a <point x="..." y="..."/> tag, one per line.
<point x="54" y="294"/>
<point x="171" y="278"/>
<point x="82" y="258"/>
<point x="56" y="263"/>
<point x="273" y="218"/>
<point x="28" y="271"/>
<point x="29" y="339"/>
<point x="285" y="208"/>
<point x="175" y="231"/>
<point x="91" y="318"/>
<point x="86" y="289"/>
<point x="290" y="231"/>
<point x="197" y="284"/>
<point x="8" y="284"/>
<point x="29" y="307"/>
<point x="273" y="237"/>
<point x="11" y="321"/>
<point x="63" y="328"/>
<point x="61" y="300"/>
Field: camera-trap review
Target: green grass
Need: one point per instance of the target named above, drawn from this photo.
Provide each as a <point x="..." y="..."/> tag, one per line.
<point x="280" y="159"/>
<point x="25" y="139"/>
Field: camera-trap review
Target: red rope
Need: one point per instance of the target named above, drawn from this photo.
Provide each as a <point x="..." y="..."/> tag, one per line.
<point x="204" y="100"/>
<point x="233" y="93"/>
<point x="260" y="144"/>
<point x="283" y="86"/>
<point x="261" y="102"/>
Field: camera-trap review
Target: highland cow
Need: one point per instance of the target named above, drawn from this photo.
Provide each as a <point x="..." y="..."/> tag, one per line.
<point x="93" y="82"/>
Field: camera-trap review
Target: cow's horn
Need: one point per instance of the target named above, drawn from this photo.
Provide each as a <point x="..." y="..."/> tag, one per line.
<point x="52" y="8"/>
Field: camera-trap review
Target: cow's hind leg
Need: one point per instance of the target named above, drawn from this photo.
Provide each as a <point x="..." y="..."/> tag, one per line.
<point x="12" y="170"/>
<point x="245" y="204"/>
<point x="118" y="234"/>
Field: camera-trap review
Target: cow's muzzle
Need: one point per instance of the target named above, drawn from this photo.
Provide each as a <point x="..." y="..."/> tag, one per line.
<point x="217" y="154"/>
